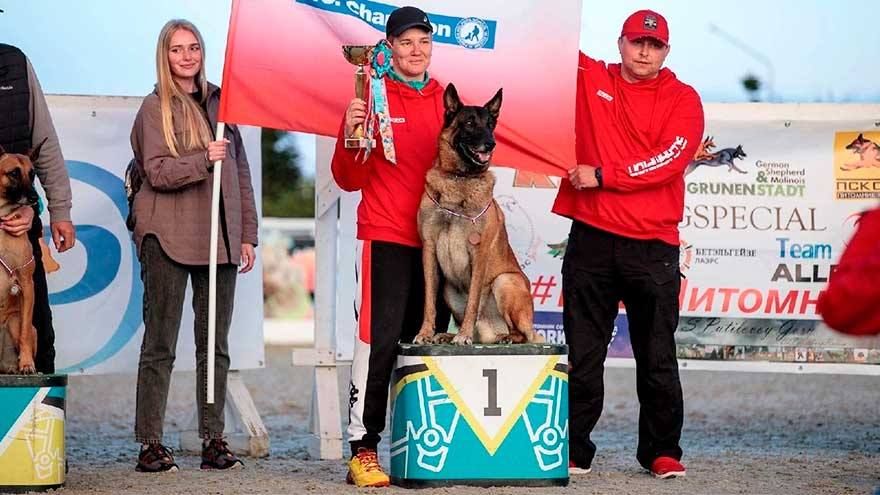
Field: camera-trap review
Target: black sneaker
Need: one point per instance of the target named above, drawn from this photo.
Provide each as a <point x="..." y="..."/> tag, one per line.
<point x="156" y="458"/>
<point x="216" y="455"/>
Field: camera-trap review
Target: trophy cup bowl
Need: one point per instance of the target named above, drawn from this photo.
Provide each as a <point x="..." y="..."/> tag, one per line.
<point x="359" y="55"/>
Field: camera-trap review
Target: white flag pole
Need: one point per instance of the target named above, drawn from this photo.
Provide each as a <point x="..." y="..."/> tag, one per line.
<point x="212" y="268"/>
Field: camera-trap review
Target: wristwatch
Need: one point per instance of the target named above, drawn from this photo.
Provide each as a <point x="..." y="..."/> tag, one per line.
<point x="598" y="174"/>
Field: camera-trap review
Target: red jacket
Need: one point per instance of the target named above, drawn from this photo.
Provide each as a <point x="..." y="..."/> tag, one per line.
<point x="390" y="194"/>
<point x="643" y="135"/>
<point x="852" y="302"/>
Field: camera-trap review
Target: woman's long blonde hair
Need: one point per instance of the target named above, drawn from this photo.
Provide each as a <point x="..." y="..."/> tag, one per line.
<point x="197" y="133"/>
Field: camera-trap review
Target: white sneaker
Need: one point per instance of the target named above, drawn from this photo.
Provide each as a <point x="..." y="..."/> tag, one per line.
<point x="574" y="469"/>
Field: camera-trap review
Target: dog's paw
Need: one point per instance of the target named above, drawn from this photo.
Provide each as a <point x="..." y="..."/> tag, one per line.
<point x="443" y="338"/>
<point x="423" y="338"/>
<point x="27" y="368"/>
<point x="463" y="339"/>
<point x="536" y="338"/>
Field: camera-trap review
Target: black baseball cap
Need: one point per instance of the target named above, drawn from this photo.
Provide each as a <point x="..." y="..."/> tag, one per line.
<point x="407" y="17"/>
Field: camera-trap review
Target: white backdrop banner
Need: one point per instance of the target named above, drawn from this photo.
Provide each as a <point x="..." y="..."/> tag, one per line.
<point x="96" y="296"/>
<point x="769" y="206"/>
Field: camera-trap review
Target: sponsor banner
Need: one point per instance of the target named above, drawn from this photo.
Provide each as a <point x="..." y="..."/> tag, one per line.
<point x="96" y="296"/>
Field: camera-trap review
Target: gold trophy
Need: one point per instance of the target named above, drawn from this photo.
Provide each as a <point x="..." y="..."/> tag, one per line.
<point x="360" y="55"/>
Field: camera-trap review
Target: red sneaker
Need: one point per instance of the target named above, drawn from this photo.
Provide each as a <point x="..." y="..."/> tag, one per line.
<point x="575" y="469"/>
<point x="667" y="467"/>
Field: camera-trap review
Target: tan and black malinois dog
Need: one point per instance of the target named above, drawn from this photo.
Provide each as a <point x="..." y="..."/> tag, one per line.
<point x="463" y="234"/>
<point x="17" y="265"/>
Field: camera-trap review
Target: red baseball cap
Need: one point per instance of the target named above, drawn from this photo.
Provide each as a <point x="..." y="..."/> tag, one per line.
<point x="646" y="23"/>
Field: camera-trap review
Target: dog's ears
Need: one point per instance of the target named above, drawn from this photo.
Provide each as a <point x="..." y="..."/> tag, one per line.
<point x="451" y="101"/>
<point x="35" y="152"/>
<point x="494" y="105"/>
<point x="861" y="137"/>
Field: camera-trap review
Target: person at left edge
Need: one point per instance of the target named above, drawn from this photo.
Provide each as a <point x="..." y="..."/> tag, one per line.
<point x="25" y="122"/>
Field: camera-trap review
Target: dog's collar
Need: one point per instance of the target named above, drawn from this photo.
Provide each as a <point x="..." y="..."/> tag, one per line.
<point x="457" y="214"/>
<point x="12" y="207"/>
<point x="15" y="288"/>
<point x="8" y="208"/>
<point x="11" y="271"/>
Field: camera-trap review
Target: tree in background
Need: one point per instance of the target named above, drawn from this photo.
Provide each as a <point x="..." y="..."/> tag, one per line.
<point x="752" y="85"/>
<point x="286" y="193"/>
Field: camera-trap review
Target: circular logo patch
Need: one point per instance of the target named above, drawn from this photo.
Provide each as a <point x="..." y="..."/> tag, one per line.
<point x="472" y="33"/>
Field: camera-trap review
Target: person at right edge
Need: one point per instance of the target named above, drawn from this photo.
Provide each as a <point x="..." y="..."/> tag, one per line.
<point x="637" y="128"/>
<point x="849" y="303"/>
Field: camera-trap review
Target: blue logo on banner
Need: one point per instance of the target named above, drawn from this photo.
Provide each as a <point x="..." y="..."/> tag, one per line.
<point x="103" y="261"/>
<point x="472" y="33"/>
<point x="469" y="32"/>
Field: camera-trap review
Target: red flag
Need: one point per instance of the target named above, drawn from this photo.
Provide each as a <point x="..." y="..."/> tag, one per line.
<point x="284" y="67"/>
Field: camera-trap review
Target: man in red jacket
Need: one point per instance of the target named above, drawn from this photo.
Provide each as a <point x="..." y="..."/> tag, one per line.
<point x="637" y="127"/>
<point x="390" y="295"/>
<point x="849" y="305"/>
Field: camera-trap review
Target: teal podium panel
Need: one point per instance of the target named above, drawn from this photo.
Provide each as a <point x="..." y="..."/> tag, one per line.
<point x="485" y="415"/>
<point x="32" y="454"/>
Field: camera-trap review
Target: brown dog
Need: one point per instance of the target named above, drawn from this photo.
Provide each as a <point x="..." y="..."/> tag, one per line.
<point x="17" y="263"/>
<point x="463" y="233"/>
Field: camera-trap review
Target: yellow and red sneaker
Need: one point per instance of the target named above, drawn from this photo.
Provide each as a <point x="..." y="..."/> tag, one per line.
<point x="364" y="469"/>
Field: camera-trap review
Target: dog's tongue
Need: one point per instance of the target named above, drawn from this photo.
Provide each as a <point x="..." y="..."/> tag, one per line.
<point x="483" y="156"/>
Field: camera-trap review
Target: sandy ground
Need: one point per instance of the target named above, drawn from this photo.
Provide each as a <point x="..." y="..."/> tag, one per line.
<point x="744" y="433"/>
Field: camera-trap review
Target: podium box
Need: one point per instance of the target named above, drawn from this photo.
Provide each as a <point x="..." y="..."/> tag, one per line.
<point x="32" y="455"/>
<point x="484" y="415"/>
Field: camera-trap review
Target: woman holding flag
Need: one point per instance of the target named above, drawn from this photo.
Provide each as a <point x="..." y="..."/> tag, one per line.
<point x="175" y="151"/>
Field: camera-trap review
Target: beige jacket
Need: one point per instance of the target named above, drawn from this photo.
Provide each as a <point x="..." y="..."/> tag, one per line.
<point x="174" y="202"/>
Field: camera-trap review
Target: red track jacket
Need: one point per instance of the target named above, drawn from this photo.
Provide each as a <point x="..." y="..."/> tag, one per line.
<point x="643" y="135"/>
<point x="852" y="302"/>
<point x="391" y="193"/>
